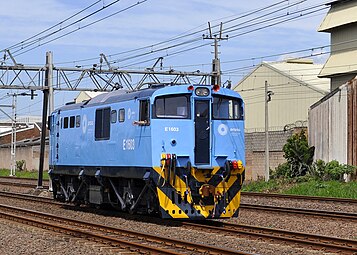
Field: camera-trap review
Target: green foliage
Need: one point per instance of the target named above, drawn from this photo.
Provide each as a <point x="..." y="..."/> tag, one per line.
<point x="24" y="174"/>
<point x="21" y="165"/>
<point x="318" y="169"/>
<point x="332" y="170"/>
<point x="304" y="186"/>
<point x="298" y="154"/>
<point x="282" y="170"/>
<point x="258" y="186"/>
<point x="273" y="185"/>
<point x="325" y="189"/>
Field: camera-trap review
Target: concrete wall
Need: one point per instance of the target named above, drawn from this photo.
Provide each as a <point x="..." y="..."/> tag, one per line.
<point x="29" y="153"/>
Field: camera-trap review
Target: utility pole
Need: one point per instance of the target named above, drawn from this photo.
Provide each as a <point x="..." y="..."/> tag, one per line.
<point x="13" y="137"/>
<point x="267" y="97"/>
<point x="51" y="98"/>
<point x="216" y="64"/>
<point x="49" y="58"/>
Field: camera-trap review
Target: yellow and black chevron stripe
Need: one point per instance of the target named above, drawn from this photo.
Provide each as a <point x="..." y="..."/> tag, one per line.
<point x="176" y="196"/>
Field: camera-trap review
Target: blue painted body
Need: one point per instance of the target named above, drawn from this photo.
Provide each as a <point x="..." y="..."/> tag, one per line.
<point x="141" y="146"/>
<point x="134" y="145"/>
<point x="177" y="151"/>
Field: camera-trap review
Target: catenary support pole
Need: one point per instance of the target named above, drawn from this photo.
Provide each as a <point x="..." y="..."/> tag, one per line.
<point x="51" y="97"/>
<point x="266" y="96"/>
<point x="44" y="120"/>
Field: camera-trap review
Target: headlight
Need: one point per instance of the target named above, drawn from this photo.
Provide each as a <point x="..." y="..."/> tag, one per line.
<point x="202" y="92"/>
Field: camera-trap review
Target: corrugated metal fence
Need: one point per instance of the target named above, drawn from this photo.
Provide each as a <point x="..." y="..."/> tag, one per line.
<point x="333" y="125"/>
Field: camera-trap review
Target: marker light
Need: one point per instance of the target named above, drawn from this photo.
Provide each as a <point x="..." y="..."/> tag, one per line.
<point x="215" y="88"/>
<point x="235" y="164"/>
<point x="190" y="88"/>
<point x="202" y="92"/>
<point x="168" y="159"/>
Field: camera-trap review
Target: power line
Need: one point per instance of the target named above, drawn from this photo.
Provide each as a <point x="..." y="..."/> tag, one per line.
<point x="38" y="41"/>
<point x="20" y="44"/>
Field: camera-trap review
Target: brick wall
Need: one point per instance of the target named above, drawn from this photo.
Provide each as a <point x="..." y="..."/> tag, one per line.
<point x="255" y="152"/>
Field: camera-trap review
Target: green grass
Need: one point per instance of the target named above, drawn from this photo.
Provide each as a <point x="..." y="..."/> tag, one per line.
<point x="325" y="189"/>
<point x="24" y="174"/>
<point x="305" y="187"/>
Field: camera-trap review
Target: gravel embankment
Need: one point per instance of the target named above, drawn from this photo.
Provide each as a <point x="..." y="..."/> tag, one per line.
<point x="311" y="225"/>
<point x="17" y="239"/>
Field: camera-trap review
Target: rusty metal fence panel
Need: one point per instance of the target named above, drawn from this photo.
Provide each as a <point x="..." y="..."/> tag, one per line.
<point x="352" y="122"/>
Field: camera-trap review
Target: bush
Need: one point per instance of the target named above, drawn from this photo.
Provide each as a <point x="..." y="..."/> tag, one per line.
<point x="299" y="156"/>
<point x="318" y="169"/>
<point x="20" y="165"/>
<point x="332" y="170"/>
<point x="282" y="170"/>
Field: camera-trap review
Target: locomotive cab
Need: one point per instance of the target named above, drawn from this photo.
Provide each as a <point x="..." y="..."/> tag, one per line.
<point x="199" y="137"/>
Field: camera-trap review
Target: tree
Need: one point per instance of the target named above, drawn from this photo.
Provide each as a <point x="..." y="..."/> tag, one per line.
<point x="298" y="154"/>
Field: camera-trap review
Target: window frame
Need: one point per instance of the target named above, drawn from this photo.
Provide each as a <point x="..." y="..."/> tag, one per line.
<point x="113" y="116"/>
<point x="144" y="114"/>
<point x="102" y="124"/>
<point x="65" y="122"/>
<point x="188" y="98"/>
<point x="72" y="121"/>
<point x="121" y="115"/>
<point x="78" y="121"/>
<point x="234" y="113"/>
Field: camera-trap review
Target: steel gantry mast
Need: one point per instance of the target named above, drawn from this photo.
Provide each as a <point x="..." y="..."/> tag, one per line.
<point x="216" y="63"/>
<point x="18" y="76"/>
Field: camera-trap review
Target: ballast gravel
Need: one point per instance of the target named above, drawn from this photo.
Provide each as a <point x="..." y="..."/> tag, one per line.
<point x="52" y="242"/>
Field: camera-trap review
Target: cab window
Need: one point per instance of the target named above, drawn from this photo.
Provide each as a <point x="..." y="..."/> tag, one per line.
<point x="144" y="114"/>
<point x="226" y="108"/>
<point x="172" y="107"/>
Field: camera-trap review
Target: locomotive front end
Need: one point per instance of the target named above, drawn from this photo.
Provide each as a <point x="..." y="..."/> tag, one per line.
<point x="198" y="151"/>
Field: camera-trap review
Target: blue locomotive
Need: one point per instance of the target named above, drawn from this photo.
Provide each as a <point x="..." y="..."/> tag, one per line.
<point x="174" y="151"/>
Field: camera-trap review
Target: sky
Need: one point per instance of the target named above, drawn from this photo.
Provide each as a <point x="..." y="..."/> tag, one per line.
<point x="256" y="29"/>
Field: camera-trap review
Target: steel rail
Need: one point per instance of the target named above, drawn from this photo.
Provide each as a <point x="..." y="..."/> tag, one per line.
<point x="20" y="184"/>
<point x="276" y="195"/>
<point x="304" y="211"/>
<point x="347" y="246"/>
<point x="106" y="234"/>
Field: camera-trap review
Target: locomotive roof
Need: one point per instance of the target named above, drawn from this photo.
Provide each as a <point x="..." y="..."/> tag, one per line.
<point x="110" y="97"/>
<point x="125" y="95"/>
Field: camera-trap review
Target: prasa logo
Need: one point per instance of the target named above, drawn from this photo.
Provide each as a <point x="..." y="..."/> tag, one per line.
<point x="128" y="144"/>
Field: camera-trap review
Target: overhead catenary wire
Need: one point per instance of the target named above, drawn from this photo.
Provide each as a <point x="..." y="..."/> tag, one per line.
<point x="82" y="27"/>
<point x="183" y="35"/>
<point x="20" y="44"/>
<point x="198" y="38"/>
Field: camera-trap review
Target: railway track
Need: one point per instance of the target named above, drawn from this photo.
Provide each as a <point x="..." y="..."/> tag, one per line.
<point x="302" y="211"/>
<point x="318" y="242"/>
<point x="325" y="243"/>
<point x="114" y="237"/>
<point x="32" y="183"/>
<point x="301" y="197"/>
<point x="21" y="182"/>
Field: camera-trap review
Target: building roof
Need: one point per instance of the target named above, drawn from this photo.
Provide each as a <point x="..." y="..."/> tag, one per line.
<point x="86" y="95"/>
<point x="336" y="64"/>
<point x="303" y="71"/>
<point x="341" y="13"/>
